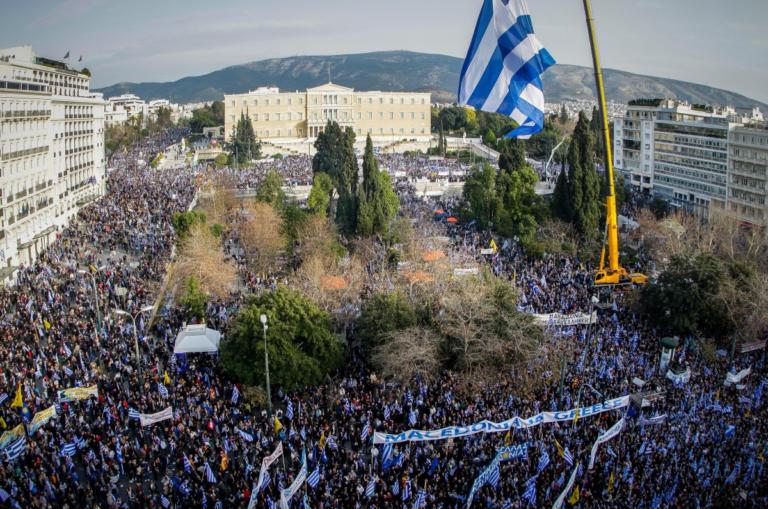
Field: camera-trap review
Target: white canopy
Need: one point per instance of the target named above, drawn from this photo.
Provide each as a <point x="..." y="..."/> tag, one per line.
<point x="197" y="339"/>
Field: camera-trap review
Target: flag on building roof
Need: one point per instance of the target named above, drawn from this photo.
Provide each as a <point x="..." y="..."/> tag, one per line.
<point x="503" y="67"/>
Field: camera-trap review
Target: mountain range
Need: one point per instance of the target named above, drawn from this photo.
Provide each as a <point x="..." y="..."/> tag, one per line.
<point x="417" y="72"/>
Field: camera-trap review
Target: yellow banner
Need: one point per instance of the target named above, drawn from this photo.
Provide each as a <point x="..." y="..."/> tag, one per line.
<point x="11" y="435"/>
<point x="77" y="393"/>
<point x="41" y="418"/>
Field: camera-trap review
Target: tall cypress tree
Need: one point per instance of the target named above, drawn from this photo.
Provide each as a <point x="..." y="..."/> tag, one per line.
<point x="377" y="204"/>
<point x="336" y="156"/>
<point x="583" y="181"/>
<point x="244" y="145"/>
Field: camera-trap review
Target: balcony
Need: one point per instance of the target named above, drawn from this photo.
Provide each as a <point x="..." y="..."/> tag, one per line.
<point x="24" y="153"/>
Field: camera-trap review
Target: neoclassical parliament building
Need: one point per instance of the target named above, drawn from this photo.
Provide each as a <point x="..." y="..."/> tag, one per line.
<point x="298" y="115"/>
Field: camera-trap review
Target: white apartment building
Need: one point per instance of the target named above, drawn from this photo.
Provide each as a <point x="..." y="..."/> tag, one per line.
<point x="51" y="152"/>
<point x="748" y="175"/>
<point x="127" y="105"/>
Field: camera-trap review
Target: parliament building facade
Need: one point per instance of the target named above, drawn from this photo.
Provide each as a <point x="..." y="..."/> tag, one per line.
<point x="298" y="115"/>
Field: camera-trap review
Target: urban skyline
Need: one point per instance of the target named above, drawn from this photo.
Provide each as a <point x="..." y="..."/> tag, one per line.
<point x="168" y="41"/>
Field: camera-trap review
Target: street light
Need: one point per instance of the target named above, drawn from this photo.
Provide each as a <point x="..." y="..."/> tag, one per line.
<point x="135" y="333"/>
<point x="263" y="319"/>
<point x="95" y="296"/>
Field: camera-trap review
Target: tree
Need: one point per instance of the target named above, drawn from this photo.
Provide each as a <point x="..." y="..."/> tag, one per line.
<point x="319" y="198"/>
<point x="261" y="234"/>
<point x="489" y="138"/>
<point x="302" y="348"/>
<point x="221" y="160"/>
<point x="201" y="257"/>
<point x="583" y="181"/>
<point x="207" y="116"/>
<point x="562" y="205"/>
<point x="381" y="314"/>
<point x="481" y="195"/>
<point x="271" y="190"/>
<point x="378" y="203"/>
<point x="184" y="221"/>
<point x="512" y="156"/>
<point x="483" y="330"/>
<point x="683" y="299"/>
<point x="405" y="354"/>
<point x="541" y="144"/>
<point x="519" y="202"/>
<point x="194" y="299"/>
<point x="563" y="115"/>
<point x="336" y="156"/>
<point x="244" y="146"/>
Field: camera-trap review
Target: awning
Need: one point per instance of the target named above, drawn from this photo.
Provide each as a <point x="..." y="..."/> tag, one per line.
<point x="197" y="339"/>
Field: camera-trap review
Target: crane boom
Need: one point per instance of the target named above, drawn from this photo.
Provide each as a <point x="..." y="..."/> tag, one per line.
<point x="612" y="273"/>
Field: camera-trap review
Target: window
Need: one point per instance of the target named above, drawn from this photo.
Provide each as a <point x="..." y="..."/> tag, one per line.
<point x="359" y="115"/>
<point x="391" y="115"/>
<point x="370" y="115"/>
<point x="391" y="100"/>
<point x="290" y="101"/>
<point x="255" y="117"/>
<point x="266" y="117"/>
<point x="422" y="115"/>
<point x="278" y="103"/>
<point x="277" y="118"/>
<point x="381" y="115"/>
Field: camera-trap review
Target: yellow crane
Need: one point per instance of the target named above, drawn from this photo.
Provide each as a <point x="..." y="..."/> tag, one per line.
<point x="612" y="273"/>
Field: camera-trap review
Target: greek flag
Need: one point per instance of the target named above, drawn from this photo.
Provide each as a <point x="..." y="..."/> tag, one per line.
<point x="386" y="452"/>
<point x="165" y="501"/>
<point x="162" y="389"/>
<point x="505" y="60"/>
<point x="421" y="499"/>
<point x="209" y="474"/>
<point x="66" y="350"/>
<point x="245" y="436"/>
<point x="314" y="478"/>
<point x="366" y="431"/>
<point x="235" y="395"/>
<point x="543" y="461"/>
<point x="331" y="443"/>
<point x="387" y="411"/>
<point x="187" y="464"/>
<point x="396" y="488"/>
<point x="412" y="416"/>
<point x="530" y="491"/>
<point x="266" y="481"/>
<point x="370" y="490"/>
<point x="289" y="410"/>
<point x="568" y="457"/>
<point x="495" y="477"/>
<point x="406" y="490"/>
<point x="16" y="449"/>
<point x="3" y="397"/>
<point x="67" y="371"/>
<point x="133" y="414"/>
<point x="68" y="449"/>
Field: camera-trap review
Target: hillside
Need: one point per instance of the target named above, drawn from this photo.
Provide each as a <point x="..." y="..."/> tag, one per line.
<point x="404" y="70"/>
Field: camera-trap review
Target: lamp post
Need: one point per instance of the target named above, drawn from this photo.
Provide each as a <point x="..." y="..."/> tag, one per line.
<point x="263" y="319"/>
<point x="95" y="296"/>
<point x="135" y="332"/>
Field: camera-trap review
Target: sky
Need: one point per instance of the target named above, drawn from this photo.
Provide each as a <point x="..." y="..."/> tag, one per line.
<point x="717" y="43"/>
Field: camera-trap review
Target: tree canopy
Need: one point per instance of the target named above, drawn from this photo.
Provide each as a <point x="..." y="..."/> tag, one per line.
<point x="302" y="348"/>
<point x="377" y="204"/>
<point x="336" y="157"/>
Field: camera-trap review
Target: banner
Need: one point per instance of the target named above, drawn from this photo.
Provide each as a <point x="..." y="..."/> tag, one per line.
<point x="656" y="419"/>
<point x="11" y="435"/>
<point x="496" y="427"/>
<point x="559" y="502"/>
<point x="561" y="320"/>
<point x="615" y="430"/>
<point x="681" y="378"/>
<point x="482" y="479"/>
<point x="41" y="418"/>
<point x="163" y="415"/>
<point x="78" y="393"/>
<point x="511" y="452"/>
<point x="265" y="463"/>
<point x="730" y="378"/>
<point x="288" y="493"/>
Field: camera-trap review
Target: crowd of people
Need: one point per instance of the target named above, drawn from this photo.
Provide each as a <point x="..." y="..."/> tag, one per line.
<point x="698" y="443"/>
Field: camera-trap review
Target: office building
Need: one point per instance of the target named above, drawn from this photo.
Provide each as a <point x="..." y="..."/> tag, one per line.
<point x="748" y="175"/>
<point x="51" y="151"/>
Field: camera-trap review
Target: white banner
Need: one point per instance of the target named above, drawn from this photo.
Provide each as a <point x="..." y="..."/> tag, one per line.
<point x="730" y="378"/>
<point x="77" y="393"/>
<point x="561" y="320"/>
<point x="496" y="427"/>
<point x="559" y="502"/>
<point x="288" y="493"/>
<point x="615" y="430"/>
<point x="682" y="378"/>
<point x="163" y="415"/>
<point x="265" y="463"/>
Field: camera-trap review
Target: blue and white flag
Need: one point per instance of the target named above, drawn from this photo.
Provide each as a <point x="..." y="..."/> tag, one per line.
<point x="530" y="490"/>
<point x="568" y="457"/>
<point x="245" y="436"/>
<point x="16" y="448"/>
<point x="187" y="464"/>
<point x="68" y="449"/>
<point x="543" y="461"/>
<point x="162" y="389"/>
<point x="3" y="397"/>
<point x="209" y="474"/>
<point x="370" y="490"/>
<point x="386" y="452"/>
<point x="133" y="413"/>
<point x="289" y="410"/>
<point x="502" y="71"/>
<point x="314" y="478"/>
<point x="421" y="500"/>
<point x="366" y="431"/>
<point x="235" y="395"/>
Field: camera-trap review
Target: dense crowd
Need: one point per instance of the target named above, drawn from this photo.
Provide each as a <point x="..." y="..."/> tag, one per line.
<point x="701" y="444"/>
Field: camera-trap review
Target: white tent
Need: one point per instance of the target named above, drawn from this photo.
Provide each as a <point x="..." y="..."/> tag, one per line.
<point x="197" y="339"/>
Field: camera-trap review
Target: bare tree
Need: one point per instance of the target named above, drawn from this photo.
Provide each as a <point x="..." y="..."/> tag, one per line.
<point x="201" y="256"/>
<point x="261" y="237"/>
<point x="408" y="353"/>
